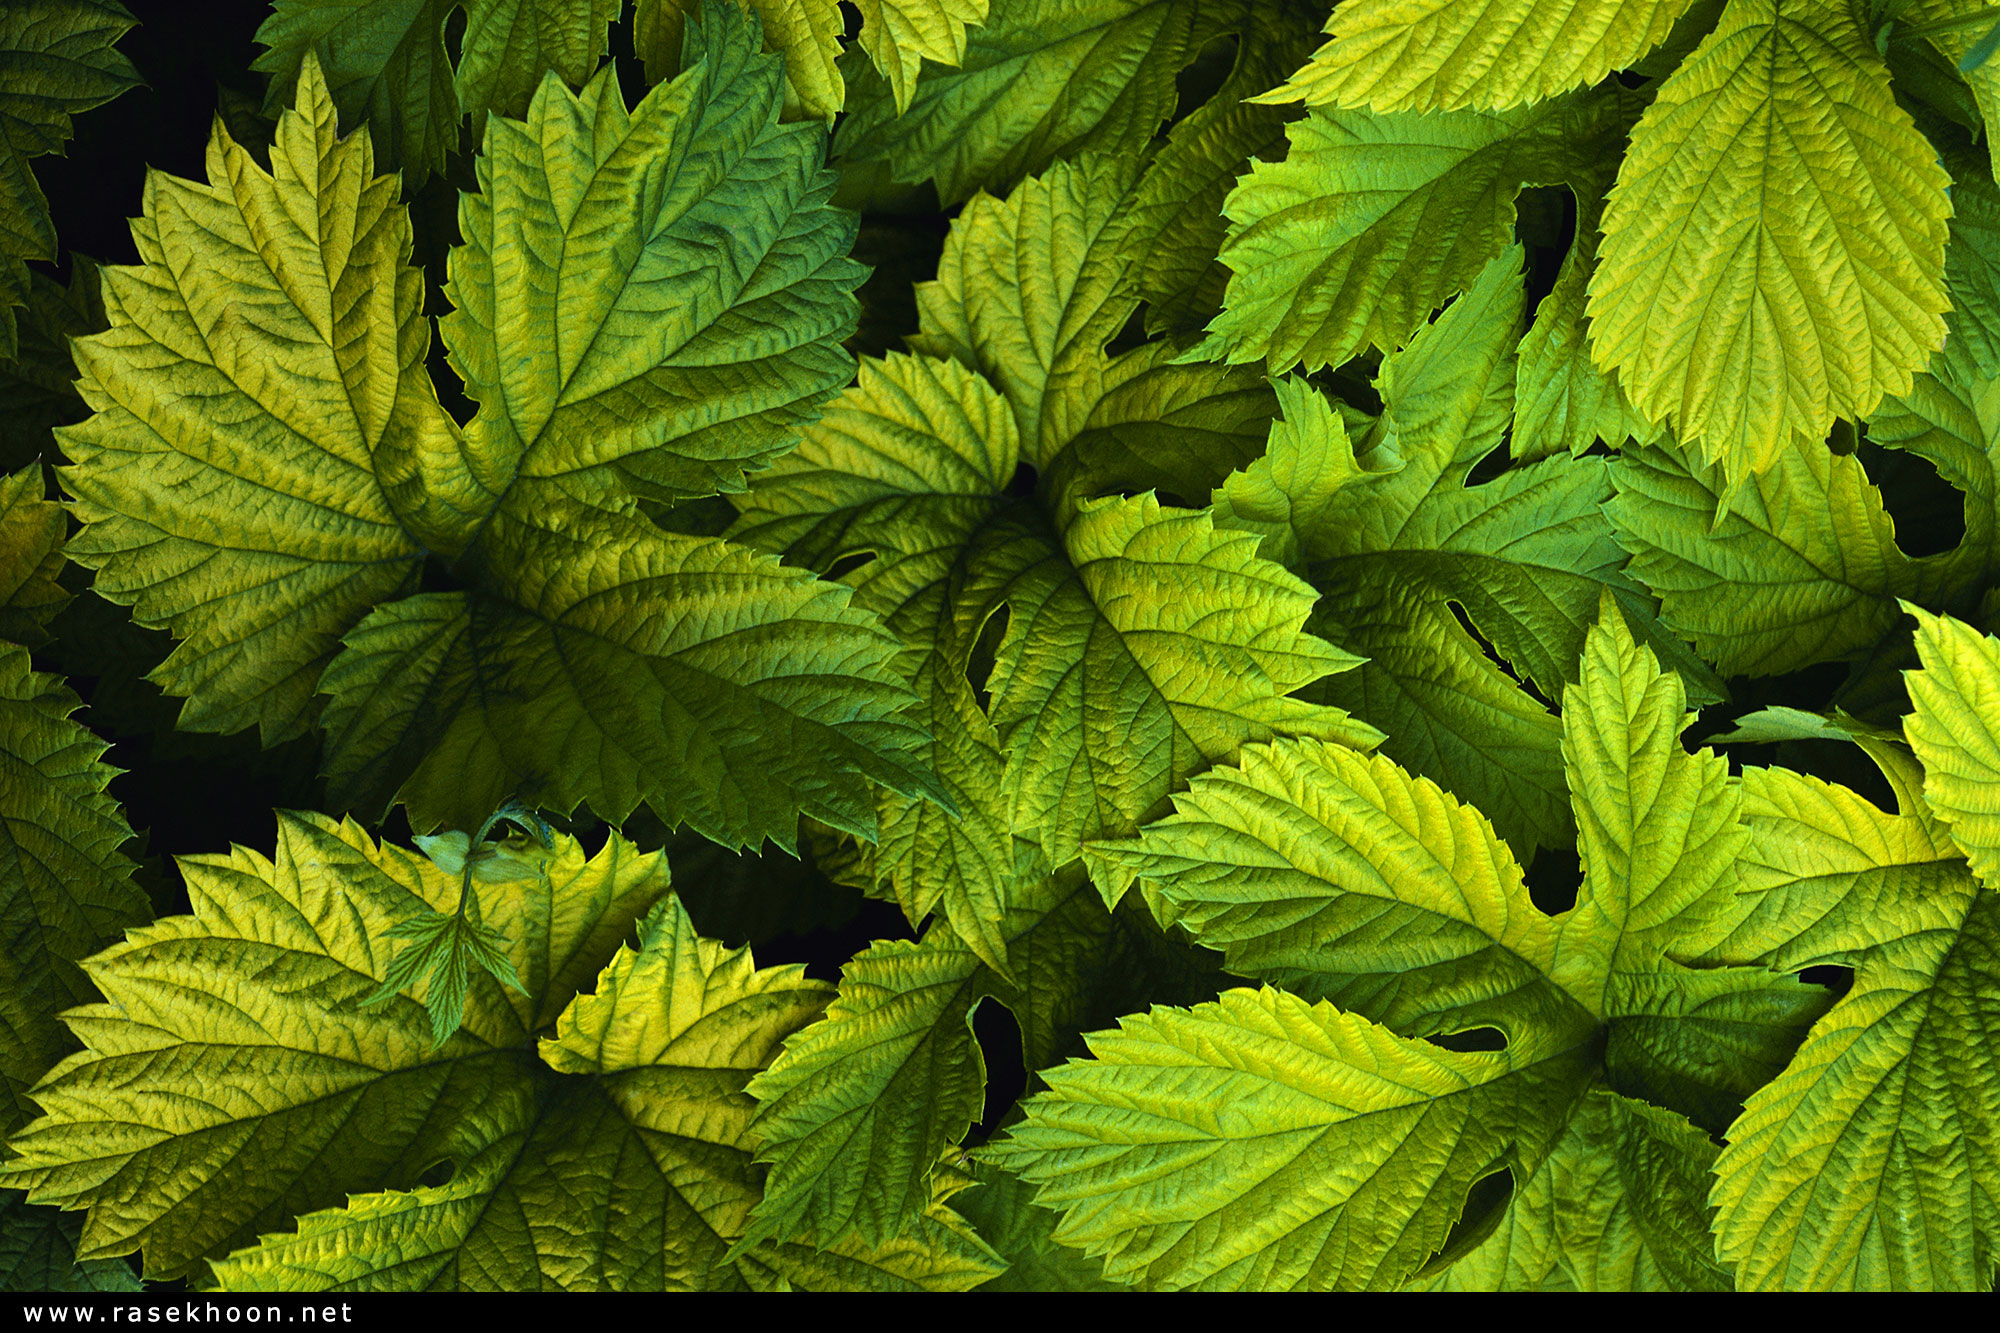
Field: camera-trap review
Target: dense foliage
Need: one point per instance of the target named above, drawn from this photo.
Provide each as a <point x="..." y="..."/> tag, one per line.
<point x="1237" y="562"/>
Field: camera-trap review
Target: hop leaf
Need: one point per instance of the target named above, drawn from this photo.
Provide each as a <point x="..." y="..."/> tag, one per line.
<point x="1269" y="1141"/>
<point x="272" y="489"/>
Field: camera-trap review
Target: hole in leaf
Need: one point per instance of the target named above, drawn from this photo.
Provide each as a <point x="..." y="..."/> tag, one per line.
<point x="1493" y="656"/>
<point x="1496" y="460"/>
<point x="1353" y="382"/>
<point x="847" y="564"/>
<point x="1204" y="75"/>
<point x="1545" y="224"/>
<point x="1485" y="1204"/>
<point x="979" y="666"/>
<point x="1554" y="879"/>
<point x="1023" y="483"/>
<point x="438" y="1173"/>
<point x="1474" y="1039"/>
<point x="999" y="1036"/>
<point x="1928" y="511"/>
<point x="1839" y="980"/>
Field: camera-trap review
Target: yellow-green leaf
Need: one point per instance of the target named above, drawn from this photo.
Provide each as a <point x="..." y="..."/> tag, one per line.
<point x="1773" y="253"/>
<point x="1451" y="55"/>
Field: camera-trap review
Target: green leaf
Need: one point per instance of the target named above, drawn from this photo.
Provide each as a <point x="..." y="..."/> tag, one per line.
<point x="65" y="886"/>
<point x="279" y="525"/>
<point x="190" y="463"/>
<point x="57" y="58"/>
<point x="1775" y="180"/>
<point x="1373" y="221"/>
<point x="1265" y="1143"/>
<point x="1489" y="55"/>
<point x="863" y="1106"/>
<point x="1341" y="877"/>
<point x="1177" y="209"/>
<point x="853" y="1115"/>
<point x="38" y="1253"/>
<point x="610" y="663"/>
<point x="805" y="32"/>
<point x="38" y="387"/>
<point x="1349" y="879"/>
<point x="1619" y="1204"/>
<point x="1412" y="562"/>
<point x="1565" y="401"/>
<point x="695" y="203"/>
<point x="899" y="35"/>
<point x="1867" y="1164"/>
<point x="31" y="536"/>
<point x="1953" y="733"/>
<point x="269" y="975"/>
<point x="653" y="1135"/>
<point x="1119" y="594"/>
<point x="1020" y="1231"/>
<point x="508" y="45"/>
<point x="1659" y="835"/>
<point x="385" y="62"/>
<point x="1030" y="288"/>
<point x="1040" y="81"/>
<point x="1802" y="566"/>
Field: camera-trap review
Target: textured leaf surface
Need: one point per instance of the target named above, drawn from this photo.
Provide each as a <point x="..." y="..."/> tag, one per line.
<point x="1869" y="1162"/>
<point x="1030" y="288"/>
<point x="653" y="1137"/>
<point x="1177" y="209"/>
<point x="232" y="1070"/>
<point x="269" y="488"/>
<point x="38" y="1253"/>
<point x="31" y="537"/>
<point x="652" y="297"/>
<point x="622" y="664"/>
<point x="1450" y="55"/>
<point x="38" y="387"/>
<point x="854" y="1114"/>
<point x="899" y="35"/>
<point x="227" y="479"/>
<point x="1407" y="556"/>
<point x="1116" y="676"/>
<point x="1818" y="296"/>
<point x="385" y="62"/>
<point x="1020" y="1231"/>
<point x="1341" y="877"/>
<point x="1566" y="402"/>
<point x="57" y="58"/>
<point x="805" y="32"/>
<point x="1802" y="566"/>
<point x="1265" y="1143"/>
<point x="1040" y="81"/>
<point x="65" y="886"/>
<point x="1373" y="221"/>
<point x="1955" y="731"/>
<point x="1620" y="1204"/>
<point x="860" y="1109"/>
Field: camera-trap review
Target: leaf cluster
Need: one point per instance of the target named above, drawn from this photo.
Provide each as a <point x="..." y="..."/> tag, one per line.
<point x="1287" y="485"/>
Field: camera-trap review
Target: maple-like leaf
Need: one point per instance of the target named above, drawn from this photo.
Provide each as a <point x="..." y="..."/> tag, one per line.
<point x="1412" y="562"/>
<point x="1033" y="87"/>
<point x="271" y="489"/>
<point x="1269" y="1141"/>
<point x="1373" y="221"/>
<point x="1868" y="1162"/>
<point x="543" y="1097"/>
